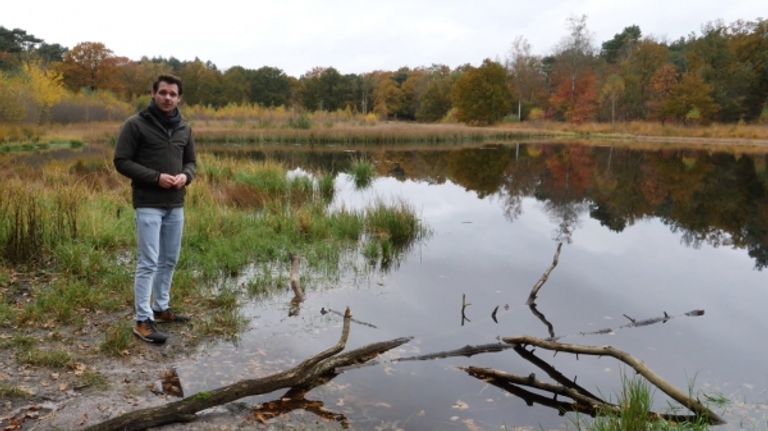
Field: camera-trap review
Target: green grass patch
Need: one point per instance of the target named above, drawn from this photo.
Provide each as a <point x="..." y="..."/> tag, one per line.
<point x="57" y="359"/>
<point x="94" y="380"/>
<point x="635" y="405"/>
<point x="21" y="342"/>
<point x="12" y="392"/>
<point x="117" y="339"/>
<point x="362" y="172"/>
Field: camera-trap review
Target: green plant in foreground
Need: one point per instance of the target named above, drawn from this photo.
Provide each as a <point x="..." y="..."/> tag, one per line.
<point x="44" y="358"/>
<point x="93" y="379"/>
<point x="635" y="407"/>
<point x="11" y="392"/>
<point x="117" y="339"/>
<point x="362" y="172"/>
<point x="326" y="184"/>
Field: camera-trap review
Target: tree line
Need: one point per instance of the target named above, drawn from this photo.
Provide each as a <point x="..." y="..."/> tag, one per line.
<point x="719" y="75"/>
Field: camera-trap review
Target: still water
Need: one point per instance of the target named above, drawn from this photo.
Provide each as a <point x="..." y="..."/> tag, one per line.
<point x="644" y="233"/>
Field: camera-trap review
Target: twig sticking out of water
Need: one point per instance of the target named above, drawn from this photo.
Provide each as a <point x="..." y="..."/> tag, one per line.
<point x="464" y="305"/>
<point x="540" y="283"/>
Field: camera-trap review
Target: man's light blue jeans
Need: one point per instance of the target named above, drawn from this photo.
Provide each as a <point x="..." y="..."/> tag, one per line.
<point x="158" y="238"/>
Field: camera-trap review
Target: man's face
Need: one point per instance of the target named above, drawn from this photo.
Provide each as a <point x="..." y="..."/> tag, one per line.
<point x="166" y="97"/>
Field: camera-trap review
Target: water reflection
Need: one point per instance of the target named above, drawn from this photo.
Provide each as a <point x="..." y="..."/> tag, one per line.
<point x="709" y="198"/>
<point x="621" y="215"/>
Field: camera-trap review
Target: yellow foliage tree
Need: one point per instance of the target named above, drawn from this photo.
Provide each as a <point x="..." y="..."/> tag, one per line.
<point x="45" y="88"/>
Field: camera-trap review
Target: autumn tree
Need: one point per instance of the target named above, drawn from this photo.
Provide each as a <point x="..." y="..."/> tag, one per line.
<point x="749" y="44"/>
<point x="662" y="85"/>
<point x="576" y="101"/>
<point x="45" y="89"/>
<point x="712" y="57"/>
<point x="89" y="65"/>
<point x="575" y="96"/>
<point x="691" y="100"/>
<point x="387" y="94"/>
<point x="136" y="77"/>
<point x="434" y="101"/>
<point x="481" y="95"/>
<point x="202" y="83"/>
<point x="637" y="70"/>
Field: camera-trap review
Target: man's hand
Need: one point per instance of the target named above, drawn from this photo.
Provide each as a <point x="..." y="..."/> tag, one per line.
<point x="168" y="181"/>
<point x="180" y="181"/>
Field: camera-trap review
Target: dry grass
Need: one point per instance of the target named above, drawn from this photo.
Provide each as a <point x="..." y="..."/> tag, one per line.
<point x="350" y="129"/>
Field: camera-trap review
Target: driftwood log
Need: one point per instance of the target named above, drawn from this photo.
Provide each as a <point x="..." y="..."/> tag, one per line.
<point x="324" y="363"/>
<point x="691" y="404"/>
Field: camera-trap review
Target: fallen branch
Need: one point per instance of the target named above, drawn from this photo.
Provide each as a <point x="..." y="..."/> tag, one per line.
<point x="556" y="375"/>
<point x="295" y="398"/>
<point x="545" y="276"/>
<point x="464" y="351"/>
<point x="692" y="404"/>
<point x="634" y="323"/>
<point x="581" y="403"/>
<point x="184" y="410"/>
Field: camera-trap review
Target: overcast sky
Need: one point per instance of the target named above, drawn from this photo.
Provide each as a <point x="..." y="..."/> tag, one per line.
<point x="352" y="36"/>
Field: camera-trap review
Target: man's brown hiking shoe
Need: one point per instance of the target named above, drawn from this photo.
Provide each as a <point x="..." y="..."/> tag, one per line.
<point x="169" y="316"/>
<point x="147" y="331"/>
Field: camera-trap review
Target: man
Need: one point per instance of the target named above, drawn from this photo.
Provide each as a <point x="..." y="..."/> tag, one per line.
<point x="156" y="151"/>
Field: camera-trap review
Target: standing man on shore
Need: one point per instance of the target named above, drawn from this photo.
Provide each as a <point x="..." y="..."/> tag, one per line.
<point x="156" y="151"/>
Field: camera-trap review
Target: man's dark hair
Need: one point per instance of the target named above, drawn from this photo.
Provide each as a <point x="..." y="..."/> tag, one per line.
<point x="170" y="79"/>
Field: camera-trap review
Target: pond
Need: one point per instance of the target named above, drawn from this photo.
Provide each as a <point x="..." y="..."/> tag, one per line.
<point x="644" y="234"/>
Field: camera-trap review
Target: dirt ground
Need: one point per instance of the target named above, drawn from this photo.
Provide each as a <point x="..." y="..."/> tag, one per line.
<point x="64" y="399"/>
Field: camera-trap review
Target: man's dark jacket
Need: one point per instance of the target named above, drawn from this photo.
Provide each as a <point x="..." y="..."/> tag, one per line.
<point x="145" y="149"/>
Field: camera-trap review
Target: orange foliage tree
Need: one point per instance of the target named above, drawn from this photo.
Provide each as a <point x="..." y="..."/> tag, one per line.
<point x="90" y="65"/>
<point x="576" y="99"/>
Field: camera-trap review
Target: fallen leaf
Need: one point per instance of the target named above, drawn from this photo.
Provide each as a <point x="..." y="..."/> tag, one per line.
<point x="63" y="387"/>
<point x="460" y="405"/>
<point x="471" y="425"/>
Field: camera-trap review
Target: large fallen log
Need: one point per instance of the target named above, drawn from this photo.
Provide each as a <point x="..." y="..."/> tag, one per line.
<point x="322" y="364"/>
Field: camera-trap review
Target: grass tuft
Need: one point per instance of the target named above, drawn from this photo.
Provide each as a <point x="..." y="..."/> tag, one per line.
<point x="362" y="171"/>
<point x="117" y="339"/>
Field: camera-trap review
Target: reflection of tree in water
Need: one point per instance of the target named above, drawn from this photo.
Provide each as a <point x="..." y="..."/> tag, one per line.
<point x="566" y="215"/>
<point x="479" y="169"/>
<point x="709" y="198"/>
